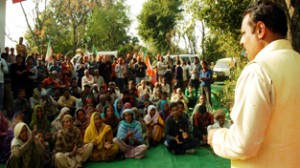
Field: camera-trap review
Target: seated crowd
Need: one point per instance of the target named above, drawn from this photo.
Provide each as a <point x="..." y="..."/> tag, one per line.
<point x="66" y="112"/>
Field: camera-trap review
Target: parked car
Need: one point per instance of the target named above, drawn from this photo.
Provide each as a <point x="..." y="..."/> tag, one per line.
<point x="221" y="70"/>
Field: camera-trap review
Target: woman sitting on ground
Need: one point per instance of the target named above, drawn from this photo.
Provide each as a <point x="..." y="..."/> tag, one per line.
<point x="110" y="118"/>
<point x="17" y="118"/>
<point x="101" y="136"/>
<point x="138" y="117"/>
<point x="129" y="137"/>
<point x="26" y="150"/>
<point x="81" y="121"/>
<point x="39" y="119"/>
<point x="118" y="107"/>
<point x="57" y="124"/>
<point x="69" y="148"/>
<point x="165" y="111"/>
<point x="155" y="126"/>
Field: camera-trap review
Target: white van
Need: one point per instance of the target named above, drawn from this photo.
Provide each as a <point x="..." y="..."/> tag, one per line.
<point x="221" y="70"/>
<point x="186" y="57"/>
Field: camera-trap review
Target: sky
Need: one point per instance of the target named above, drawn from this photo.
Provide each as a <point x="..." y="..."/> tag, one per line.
<point x="16" y="25"/>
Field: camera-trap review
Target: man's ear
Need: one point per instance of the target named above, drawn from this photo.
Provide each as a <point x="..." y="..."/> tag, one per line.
<point x="260" y="29"/>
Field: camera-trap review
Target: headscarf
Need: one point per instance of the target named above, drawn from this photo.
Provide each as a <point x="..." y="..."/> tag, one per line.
<point x="57" y="123"/>
<point x="113" y="121"/>
<point x="134" y="126"/>
<point x="95" y="136"/>
<point x="63" y="112"/>
<point x="148" y="117"/>
<point x="42" y="124"/>
<point x="127" y="106"/>
<point x="118" y="113"/>
<point x="77" y="122"/>
<point x="17" y="131"/>
<point x="3" y="123"/>
<point x="162" y="111"/>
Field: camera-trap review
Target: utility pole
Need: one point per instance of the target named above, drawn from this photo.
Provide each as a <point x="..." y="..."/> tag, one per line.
<point x="2" y="24"/>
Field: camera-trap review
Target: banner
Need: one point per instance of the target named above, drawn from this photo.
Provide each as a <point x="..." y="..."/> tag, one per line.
<point x="17" y="1"/>
<point x="49" y="52"/>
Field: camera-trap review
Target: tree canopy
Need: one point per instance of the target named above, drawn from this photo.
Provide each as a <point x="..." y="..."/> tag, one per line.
<point x="156" y="22"/>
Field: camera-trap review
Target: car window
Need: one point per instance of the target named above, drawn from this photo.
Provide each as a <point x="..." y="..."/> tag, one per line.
<point x="222" y="64"/>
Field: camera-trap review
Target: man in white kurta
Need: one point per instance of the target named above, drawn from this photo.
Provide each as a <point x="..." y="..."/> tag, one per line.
<point x="265" y="132"/>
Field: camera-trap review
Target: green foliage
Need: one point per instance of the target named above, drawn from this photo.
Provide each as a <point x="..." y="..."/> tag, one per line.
<point x="212" y="50"/>
<point x="156" y="22"/>
<point x="229" y="86"/>
<point x="223" y="16"/>
<point x="107" y="27"/>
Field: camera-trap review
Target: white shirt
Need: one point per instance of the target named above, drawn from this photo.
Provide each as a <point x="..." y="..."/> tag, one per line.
<point x="87" y="80"/>
<point x="3" y="70"/>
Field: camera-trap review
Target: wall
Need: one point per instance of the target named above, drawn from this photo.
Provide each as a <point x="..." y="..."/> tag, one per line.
<point x="2" y="23"/>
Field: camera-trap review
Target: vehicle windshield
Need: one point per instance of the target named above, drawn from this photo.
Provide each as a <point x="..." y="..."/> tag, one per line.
<point x="222" y="65"/>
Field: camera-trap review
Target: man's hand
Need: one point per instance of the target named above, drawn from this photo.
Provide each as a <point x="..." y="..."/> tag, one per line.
<point x="177" y="140"/>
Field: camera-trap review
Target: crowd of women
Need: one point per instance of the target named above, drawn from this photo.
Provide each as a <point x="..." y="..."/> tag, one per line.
<point x="65" y="112"/>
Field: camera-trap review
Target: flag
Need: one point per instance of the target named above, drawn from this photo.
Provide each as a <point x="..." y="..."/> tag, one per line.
<point x="17" y="1"/>
<point x="49" y="52"/>
<point x="150" y="71"/>
<point x="94" y="50"/>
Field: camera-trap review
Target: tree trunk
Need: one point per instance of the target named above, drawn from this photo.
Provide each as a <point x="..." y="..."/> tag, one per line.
<point x="295" y="25"/>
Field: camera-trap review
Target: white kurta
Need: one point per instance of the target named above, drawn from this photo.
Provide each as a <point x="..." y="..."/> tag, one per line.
<point x="267" y="104"/>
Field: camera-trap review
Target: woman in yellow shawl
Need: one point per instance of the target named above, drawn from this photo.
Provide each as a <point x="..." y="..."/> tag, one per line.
<point x="101" y="136"/>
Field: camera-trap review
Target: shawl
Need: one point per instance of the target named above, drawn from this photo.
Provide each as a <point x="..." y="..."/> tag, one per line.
<point x="3" y="123"/>
<point x="67" y="139"/>
<point x="163" y="113"/>
<point x="113" y="121"/>
<point x="17" y="131"/>
<point x="57" y="124"/>
<point x="81" y="125"/>
<point x="148" y="117"/>
<point x="119" y="112"/>
<point x="134" y="126"/>
<point x="77" y="122"/>
<point x="42" y="124"/>
<point x="97" y="137"/>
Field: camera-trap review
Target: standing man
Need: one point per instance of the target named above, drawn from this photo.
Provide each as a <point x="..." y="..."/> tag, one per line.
<point x="120" y="70"/>
<point x="21" y="48"/>
<point x="140" y="70"/>
<point x="264" y="132"/>
<point x="205" y="78"/>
